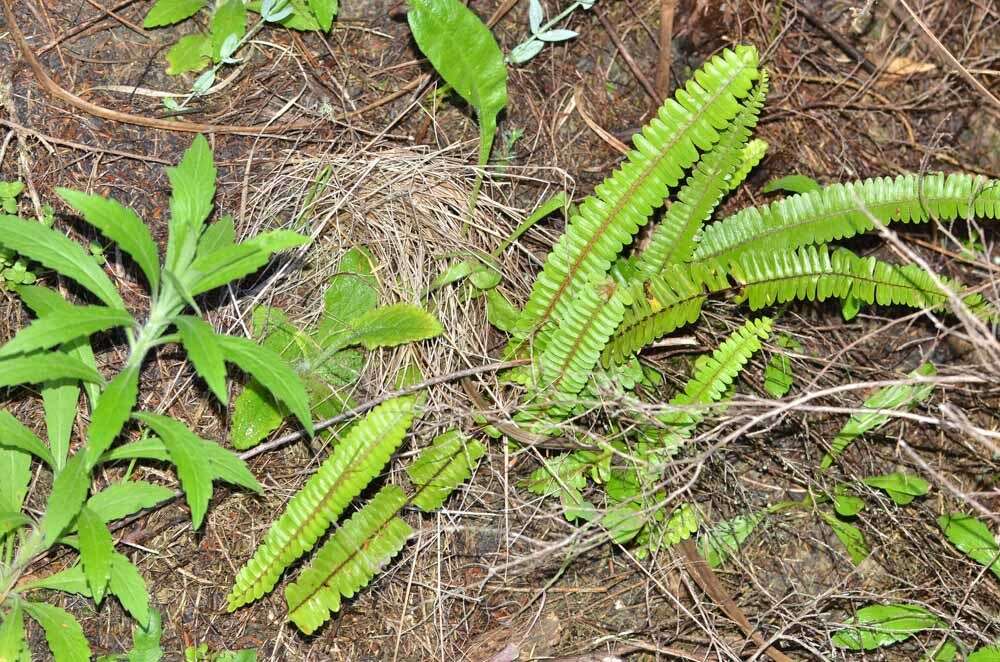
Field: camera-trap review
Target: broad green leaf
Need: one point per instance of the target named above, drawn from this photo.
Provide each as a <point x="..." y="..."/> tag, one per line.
<point x="119" y="500"/>
<point x="130" y="589"/>
<point x="500" y="312"/>
<point x="46" y="367"/>
<point x="146" y="640"/>
<point x="233" y="262"/>
<point x="96" y="549"/>
<point x="899" y="396"/>
<point x="394" y="325"/>
<point x="149" y="448"/>
<point x="62" y="326"/>
<point x="193" y="189"/>
<point x="62" y="632"/>
<point x="69" y="489"/>
<point x="985" y="654"/>
<point x="12" y="634"/>
<point x="11" y="521"/>
<point x="198" y="339"/>
<point x="168" y="12"/>
<point x="946" y="652"/>
<point x="850" y="535"/>
<point x="324" y="11"/>
<point x="122" y="226"/>
<point x="901" y="488"/>
<point x="14" y="435"/>
<point x="15" y="475"/>
<point x="60" y="400"/>
<point x="352" y="292"/>
<point x="792" y="184"/>
<point x="71" y="580"/>
<point x="778" y="376"/>
<point x="847" y="505"/>
<point x="462" y="49"/>
<point x="59" y="253"/>
<point x="217" y="236"/>
<point x="876" y="626"/>
<point x="973" y="538"/>
<point x="192" y="52"/>
<point x="187" y="454"/>
<point x="269" y="369"/>
<point x="230" y="19"/>
<point x="228" y="466"/>
<point x="255" y="415"/>
<point x="725" y="538"/>
<point x="112" y="411"/>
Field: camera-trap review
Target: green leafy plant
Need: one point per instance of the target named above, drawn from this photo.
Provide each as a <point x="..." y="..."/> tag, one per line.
<point x="327" y="356"/>
<point x="547" y="33"/>
<point x="13" y="269"/>
<point x="55" y="352"/>
<point x="876" y="626"/>
<point x="600" y="300"/>
<point x="229" y="31"/>
<point x="973" y="538"/>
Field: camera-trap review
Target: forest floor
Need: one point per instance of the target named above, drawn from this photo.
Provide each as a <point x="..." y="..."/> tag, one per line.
<point x="858" y="90"/>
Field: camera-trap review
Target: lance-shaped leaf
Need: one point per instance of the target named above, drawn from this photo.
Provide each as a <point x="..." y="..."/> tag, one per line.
<point x="12" y="633"/>
<point x="130" y="589"/>
<point x="119" y="500"/>
<point x="122" y="226"/>
<point x="199" y="340"/>
<point x="57" y="252"/>
<point x="355" y="553"/>
<point x="441" y="467"/>
<point x="356" y="460"/>
<point x="192" y="191"/>
<point x="11" y="521"/>
<point x="47" y="367"/>
<point x="973" y="538"/>
<point x="15" y="475"/>
<point x="187" y="454"/>
<point x="876" y="626"/>
<point x="71" y="580"/>
<point x="61" y="326"/>
<point x="14" y="435"/>
<point x="233" y="262"/>
<point x="69" y="489"/>
<point x="96" y="550"/>
<point x="112" y="411"/>
<point x="389" y="326"/>
<point x="62" y="632"/>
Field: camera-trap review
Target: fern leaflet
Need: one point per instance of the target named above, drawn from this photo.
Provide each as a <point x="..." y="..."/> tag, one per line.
<point x="348" y="560"/>
<point x="608" y="220"/>
<point x="673" y="239"/>
<point x="442" y="467"/>
<point x="356" y="460"/>
<point x="843" y="210"/>
<point x="753" y="153"/>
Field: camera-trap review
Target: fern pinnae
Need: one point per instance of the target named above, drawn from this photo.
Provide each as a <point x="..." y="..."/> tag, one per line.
<point x="750" y="157"/>
<point x="838" y="211"/>
<point x="608" y="220"/>
<point x="349" y="559"/>
<point x="673" y="239"/>
<point x="441" y="467"/>
<point x="355" y="461"/>
<point x="574" y="348"/>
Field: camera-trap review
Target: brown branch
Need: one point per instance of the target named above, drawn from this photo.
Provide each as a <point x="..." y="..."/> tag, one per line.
<point x="663" y="65"/>
<point x="633" y="67"/>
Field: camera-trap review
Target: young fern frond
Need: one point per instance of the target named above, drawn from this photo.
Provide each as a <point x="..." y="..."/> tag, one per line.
<point x="673" y="239"/>
<point x="352" y="556"/>
<point x="356" y="460"/>
<point x="812" y="273"/>
<point x="442" y="467"/>
<point x="753" y="153"/>
<point x="608" y="220"/>
<point x="575" y="346"/>
<point x="843" y="210"/>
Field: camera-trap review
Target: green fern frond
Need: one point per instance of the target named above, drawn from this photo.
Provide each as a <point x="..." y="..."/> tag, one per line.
<point x="442" y="467"/>
<point x="753" y="153"/>
<point x="713" y="374"/>
<point x="354" y="554"/>
<point x="673" y="239"/>
<point x="813" y="273"/>
<point x="574" y="348"/>
<point x="608" y="220"/>
<point x="672" y="299"/>
<point x="355" y="461"/>
<point x="843" y="210"/>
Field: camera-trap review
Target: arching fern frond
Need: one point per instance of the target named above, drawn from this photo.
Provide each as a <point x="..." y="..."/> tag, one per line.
<point x="608" y="220"/>
<point x="672" y="299"/>
<point x="442" y="467"/>
<point x="575" y="346"/>
<point x="813" y="273"/>
<point x="843" y="210"/>
<point x="355" y="461"/>
<point x="673" y="239"/>
<point x="354" y="554"/>
<point x="753" y="153"/>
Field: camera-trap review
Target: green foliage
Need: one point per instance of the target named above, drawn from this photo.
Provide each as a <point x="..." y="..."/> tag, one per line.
<point x="778" y="376"/>
<point x="442" y="467"/>
<point x="973" y="538"/>
<point x="899" y="396"/>
<point x="462" y="49"/>
<point x="55" y="350"/>
<point x="876" y="626"/>
<point x="723" y="540"/>
<point x="901" y="488"/>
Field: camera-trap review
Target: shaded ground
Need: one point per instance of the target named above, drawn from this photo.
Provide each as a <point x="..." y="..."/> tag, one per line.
<point x="492" y="571"/>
